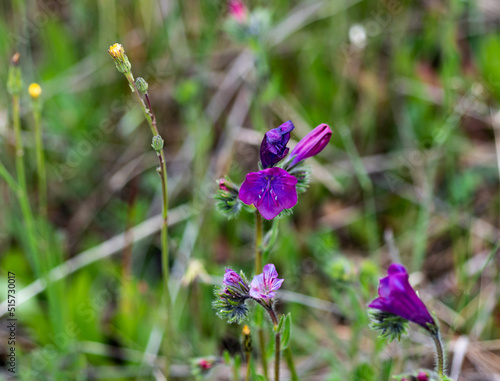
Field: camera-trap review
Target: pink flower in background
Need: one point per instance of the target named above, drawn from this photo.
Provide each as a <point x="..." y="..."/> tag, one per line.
<point x="238" y="11"/>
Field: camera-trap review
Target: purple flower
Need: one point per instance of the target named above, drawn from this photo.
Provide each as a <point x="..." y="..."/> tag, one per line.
<point x="234" y="283"/>
<point x="312" y="144"/>
<point x="271" y="191"/>
<point x="397" y="297"/>
<point x="265" y="285"/>
<point x="273" y="147"/>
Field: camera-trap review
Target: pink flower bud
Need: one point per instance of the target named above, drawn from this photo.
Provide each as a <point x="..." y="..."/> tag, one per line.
<point x="238" y="11"/>
<point x="312" y="144"/>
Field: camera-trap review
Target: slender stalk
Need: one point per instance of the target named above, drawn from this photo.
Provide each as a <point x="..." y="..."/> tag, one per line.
<point x="249" y="359"/>
<point x="11" y="182"/>
<point x="440" y="357"/>
<point x="235" y="371"/>
<point x="21" y="172"/>
<point x="151" y="119"/>
<point x="40" y="159"/>
<point x="277" y="341"/>
<point x="262" y="345"/>
<point x="22" y="193"/>
<point x="290" y="363"/>
<point x="258" y="269"/>
<point x="258" y="242"/>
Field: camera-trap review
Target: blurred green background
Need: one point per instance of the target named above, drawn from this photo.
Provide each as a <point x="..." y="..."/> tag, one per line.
<point x="411" y="90"/>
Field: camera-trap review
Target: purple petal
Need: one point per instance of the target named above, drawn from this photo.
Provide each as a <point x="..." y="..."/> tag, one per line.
<point x="271" y="190"/>
<point x="281" y="194"/>
<point x="384" y="288"/>
<point x="277" y="284"/>
<point x="270" y="295"/>
<point x="253" y="187"/>
<point x="254" y="293"/>
<point x="396" y="268"/>
<point x="270" y="272"/>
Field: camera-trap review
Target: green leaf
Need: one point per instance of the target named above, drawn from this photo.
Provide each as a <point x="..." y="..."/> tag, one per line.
<point x="280" y="324"/>
<point x="287" y="331"/>
<point x="227" y="357"/>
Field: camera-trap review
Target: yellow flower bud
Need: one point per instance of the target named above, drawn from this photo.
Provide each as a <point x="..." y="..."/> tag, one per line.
<point x="116" y="50"/>
<point x="35" y="90"/>
<point x="121" y="60"/>
<point x="246" y="330"/>
<point x="247" y="339"/>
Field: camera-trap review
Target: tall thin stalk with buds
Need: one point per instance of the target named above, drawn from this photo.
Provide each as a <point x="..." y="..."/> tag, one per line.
<point x="139" y="86"/>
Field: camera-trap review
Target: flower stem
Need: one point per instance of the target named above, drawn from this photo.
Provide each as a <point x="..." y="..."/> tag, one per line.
<point x="262" y="345"/>
<point x="277" y="340"/>
<point x="21" y="173"/>
<point x="22" y="193"/>
<point x="258" y="242"/>
<point x="440" y="356"/>
<point x="40" y="159"/>
<point x="249" y="359"/>
<point x="162" y="171"/>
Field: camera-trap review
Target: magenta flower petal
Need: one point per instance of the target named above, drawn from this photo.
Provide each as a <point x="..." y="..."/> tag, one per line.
<point x="273" y="147"/>
<point x="270" y="190"/>
<point x="312" y="144"/>
<point x="396" y="296"/>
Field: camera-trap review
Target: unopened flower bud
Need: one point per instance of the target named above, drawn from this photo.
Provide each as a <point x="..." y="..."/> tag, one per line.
<point x="120" y="58"/>
<point x="422" y="376"/>
<point x="247" y="339"/>
<point x="228" y="202"/>
<point x="14" y="82"/>
<point x="238" y="11"/>
<point x="312" y="144"/>
<point x="35" y="90"/>
<point x="141" y="84"/>
<point x="273" y="147"/>
<point x="157" y="143"/>
<point x="230" y="298"/>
